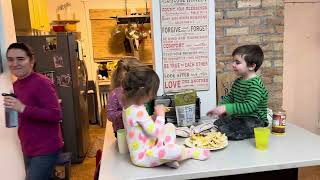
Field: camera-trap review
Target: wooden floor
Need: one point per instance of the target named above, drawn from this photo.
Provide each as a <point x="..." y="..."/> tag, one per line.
<point x="85" y="170"/>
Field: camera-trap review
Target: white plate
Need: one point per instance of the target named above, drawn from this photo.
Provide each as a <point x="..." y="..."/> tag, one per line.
<point x="188" y="143"/>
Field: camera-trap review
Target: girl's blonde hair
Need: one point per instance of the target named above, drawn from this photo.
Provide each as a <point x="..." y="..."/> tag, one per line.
<point x="123" y="66"/>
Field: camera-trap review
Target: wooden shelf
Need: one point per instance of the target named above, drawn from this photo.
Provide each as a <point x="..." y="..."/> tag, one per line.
<point x="108" y="59"/>
<point x="66" y="21"/>
<point x="132" y="18"/>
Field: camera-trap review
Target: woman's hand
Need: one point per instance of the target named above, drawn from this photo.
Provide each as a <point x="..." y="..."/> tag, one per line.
<point x="159" y="110"/>
<point x="14" y="103"/>
<point x="218" y="111"/>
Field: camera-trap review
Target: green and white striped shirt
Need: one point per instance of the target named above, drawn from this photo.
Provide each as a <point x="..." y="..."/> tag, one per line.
<point x="247" y="98"/>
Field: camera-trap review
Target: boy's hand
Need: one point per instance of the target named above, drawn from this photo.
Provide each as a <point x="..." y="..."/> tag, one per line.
<point x="218" y="111"/>
<point x="159" y="110"/>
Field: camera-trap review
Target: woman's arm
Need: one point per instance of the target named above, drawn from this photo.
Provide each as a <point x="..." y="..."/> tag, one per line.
<point x="48" y="107"/>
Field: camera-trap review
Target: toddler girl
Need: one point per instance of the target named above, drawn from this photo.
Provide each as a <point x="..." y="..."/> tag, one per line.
<point x="114" y="106"/>
<point x="151" y="142"/>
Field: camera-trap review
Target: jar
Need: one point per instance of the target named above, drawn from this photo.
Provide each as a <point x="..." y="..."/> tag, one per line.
<point x="279" y="123"/>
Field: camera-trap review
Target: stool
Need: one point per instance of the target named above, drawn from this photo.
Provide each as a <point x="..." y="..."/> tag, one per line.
<point x="64" y="159"/>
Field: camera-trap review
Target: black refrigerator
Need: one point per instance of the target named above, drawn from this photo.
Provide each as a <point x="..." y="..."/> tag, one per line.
<point x="59" y="57"/>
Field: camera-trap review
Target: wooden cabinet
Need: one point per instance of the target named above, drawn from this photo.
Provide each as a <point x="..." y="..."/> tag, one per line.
<point x="41" y="20"/>
<point x="30" y="15"/>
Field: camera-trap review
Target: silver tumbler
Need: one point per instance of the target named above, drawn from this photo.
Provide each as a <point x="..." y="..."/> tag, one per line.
<point x="11" y="115"/>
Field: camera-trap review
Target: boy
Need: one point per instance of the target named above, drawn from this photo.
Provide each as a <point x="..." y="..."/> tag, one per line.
<point x="246" y="104"/>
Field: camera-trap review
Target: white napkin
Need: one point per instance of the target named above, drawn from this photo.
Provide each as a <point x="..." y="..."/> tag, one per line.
<point x="186" y="132"/>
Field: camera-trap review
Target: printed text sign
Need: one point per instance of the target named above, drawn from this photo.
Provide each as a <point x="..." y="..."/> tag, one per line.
<point x="185" y="44"/>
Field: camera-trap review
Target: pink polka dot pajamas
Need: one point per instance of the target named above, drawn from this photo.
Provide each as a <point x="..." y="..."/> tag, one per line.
<point x="152" y="142"/>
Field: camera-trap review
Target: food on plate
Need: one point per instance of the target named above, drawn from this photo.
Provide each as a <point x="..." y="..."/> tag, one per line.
<point x="202" y="127"/>
<point x="183" y="132"/>
<point x="212" y="140"/>
<point x="166" y="109"/>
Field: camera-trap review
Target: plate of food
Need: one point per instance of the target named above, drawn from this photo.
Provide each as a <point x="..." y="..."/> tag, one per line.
<point x="210" y="141"/>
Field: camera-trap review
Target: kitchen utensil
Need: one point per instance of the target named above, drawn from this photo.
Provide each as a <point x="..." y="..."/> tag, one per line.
<point x="58" y="28"/>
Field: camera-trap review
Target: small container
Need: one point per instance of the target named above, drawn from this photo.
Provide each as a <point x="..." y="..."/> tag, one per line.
<point x="11" y="118"/>
<point x="70" y="27"/>
<point x="122" y="141"/>
<point x="261" y="135"/>
<point x="58" y="28"/>
<point x="279" y="123"/>
<point x="11" y="115"/>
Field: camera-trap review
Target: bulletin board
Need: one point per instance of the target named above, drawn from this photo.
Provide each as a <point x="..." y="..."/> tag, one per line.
<point x="185" y="44"/>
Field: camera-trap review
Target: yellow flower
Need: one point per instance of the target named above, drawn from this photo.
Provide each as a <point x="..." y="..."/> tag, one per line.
<point x="196" y="154"/>
<point x="128" y="111"/>
<point x="149" y="152"/>
<point x="150" y="127"/>
<point x="135" y="145"/>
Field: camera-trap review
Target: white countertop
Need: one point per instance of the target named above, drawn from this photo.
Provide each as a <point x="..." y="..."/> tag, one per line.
<point x="298" y="148"/>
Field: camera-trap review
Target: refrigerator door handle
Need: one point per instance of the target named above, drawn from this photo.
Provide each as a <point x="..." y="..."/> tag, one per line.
<point x="84" y="68"/>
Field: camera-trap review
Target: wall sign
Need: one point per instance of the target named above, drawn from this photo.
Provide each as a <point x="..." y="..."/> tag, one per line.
<point x="185" y="44"/>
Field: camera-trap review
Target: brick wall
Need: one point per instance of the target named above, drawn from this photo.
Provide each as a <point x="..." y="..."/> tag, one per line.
<point x="240" y="22"/>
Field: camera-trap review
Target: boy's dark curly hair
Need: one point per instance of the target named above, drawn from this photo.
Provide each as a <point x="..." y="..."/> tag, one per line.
<point x="252" y="54"/>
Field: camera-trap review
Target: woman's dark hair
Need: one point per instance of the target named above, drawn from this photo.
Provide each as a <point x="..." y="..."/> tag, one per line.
<point x="253" y="54"/>
<point x="140" y="82"/>
<point x="26" y="48"/>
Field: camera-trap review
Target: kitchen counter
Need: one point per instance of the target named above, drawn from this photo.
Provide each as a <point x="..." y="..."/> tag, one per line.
<point x="298" y="148"/>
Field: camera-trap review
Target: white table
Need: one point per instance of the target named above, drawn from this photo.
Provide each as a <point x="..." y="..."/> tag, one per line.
<point x="298" y="148"/>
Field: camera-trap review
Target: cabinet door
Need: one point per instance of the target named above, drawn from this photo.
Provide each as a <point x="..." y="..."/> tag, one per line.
<point x="43" y="12"/>
<point x="34" y="10"/>
<point x="39" y="14"/>
<point x="22" y="16"/>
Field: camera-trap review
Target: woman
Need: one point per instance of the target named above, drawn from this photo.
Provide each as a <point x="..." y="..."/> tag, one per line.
<point x="39" y="113"/>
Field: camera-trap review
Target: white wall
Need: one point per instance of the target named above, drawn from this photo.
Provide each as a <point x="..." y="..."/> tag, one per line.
<point x="11" y="164"/>
<point x="207" y="98"/>
<point x="301" y="93"/>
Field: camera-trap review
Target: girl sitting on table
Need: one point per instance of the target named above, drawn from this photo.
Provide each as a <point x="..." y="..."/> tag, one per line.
<point x="115" y="105"/>
<point x="151" y="142"/>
